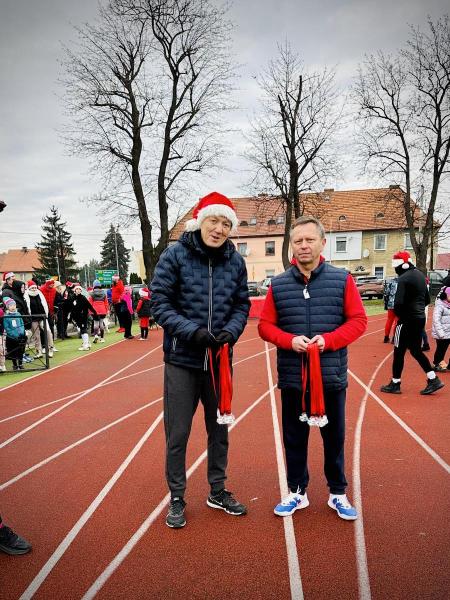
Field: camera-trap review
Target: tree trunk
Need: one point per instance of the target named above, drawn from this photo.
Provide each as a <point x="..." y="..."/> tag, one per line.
<point x="287" y="237"/>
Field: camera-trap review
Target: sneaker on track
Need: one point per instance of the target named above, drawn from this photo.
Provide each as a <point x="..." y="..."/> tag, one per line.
<point x="11" y="543"/>
<point x="343" y="507"/>
<point x="224" y="500"/>
<point x="391" y="388"/>
<point x="433" y="385"/>
<point x="292" y="502"/>
<point x="175" y="517"/>
<point x="95" y="340"/>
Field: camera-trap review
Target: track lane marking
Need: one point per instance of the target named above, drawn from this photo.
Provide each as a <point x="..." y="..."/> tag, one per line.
<point x="128" y="547"/>
<point x="295" y="580"/>
<point x="61" y="549"/>
<point x="78" y="397"/>
<point x="56" y="455"/>
<point x="402" y="424"/>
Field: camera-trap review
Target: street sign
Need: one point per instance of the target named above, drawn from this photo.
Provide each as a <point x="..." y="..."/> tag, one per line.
<point x="105" y="276"/>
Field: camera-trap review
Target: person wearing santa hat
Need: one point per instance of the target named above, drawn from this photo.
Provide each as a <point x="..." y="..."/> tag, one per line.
<point x="38" y="309"/>
<point x="411" y="298"/>
<point x="80" y="308"/>
<point x="144" y="312"/>
<point x="120" y="308"/>
<point x="200" y="299"/>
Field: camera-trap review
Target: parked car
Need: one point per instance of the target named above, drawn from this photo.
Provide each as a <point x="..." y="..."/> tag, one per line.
<point x="436" y="281"/>
<point x="263" y="286"/>
<point x="252" y="288"/>
<point x="370" y="287"/>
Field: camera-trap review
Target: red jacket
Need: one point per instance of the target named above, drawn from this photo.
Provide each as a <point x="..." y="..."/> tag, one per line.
<point x="355" y="321"/>
<point x="116" y="291"/>
<point x="48" y="289"/>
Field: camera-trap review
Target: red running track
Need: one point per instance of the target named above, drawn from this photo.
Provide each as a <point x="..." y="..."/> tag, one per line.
<point x="82" y="477"/>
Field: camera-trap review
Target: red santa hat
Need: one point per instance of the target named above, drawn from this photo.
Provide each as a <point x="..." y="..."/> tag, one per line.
<point x="115" y="277"/>
<point x="76" y="286"/>
<point x="213" y="205"/>
<point x="401" y="259"/>
<point x="49" y="282"/>
<point x="143" y="292"/>
<point x="69" y="284"/>
<point x="31" y="283"/>
<point x="8" y="275"/>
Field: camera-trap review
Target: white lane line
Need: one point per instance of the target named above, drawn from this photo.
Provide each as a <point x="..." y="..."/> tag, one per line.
<point x="122" y="555"/>
<point x="49" y="459"/>
<point x="79" y="392"/>
<point x="360" y="541"/>
<point x="61" y="549"/>
<point x="295" y="579"/>
<point x="78" y="397"/>
<point x="406" y="427"/>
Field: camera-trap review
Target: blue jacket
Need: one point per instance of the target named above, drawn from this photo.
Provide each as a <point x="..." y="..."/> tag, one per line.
<point x="191" y="290"/>
<point x="13" y="325"/>
<point x="310" y="310"/>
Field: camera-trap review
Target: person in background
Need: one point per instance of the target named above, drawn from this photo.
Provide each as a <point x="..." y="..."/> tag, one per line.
<point x="411" y="298"/>
<point x="143" y="312"/>
<point x="80" y="308"/>
<point x="441" y="330"/>
<point x="11" y="542"/>
<point x="15" y="334"/>
<point x="59" y="311"/>
<point x="2" y="338"/>
<point x="49" y="291"/>
<point x="37" y="305"/>
<point x="200" y="299"/>
<point x="99" y="302"/>
<point x="312" y="312"/>
<point x="117" y="290"/>
<point x="389" y="297"/>
<point x="127" y="312"/>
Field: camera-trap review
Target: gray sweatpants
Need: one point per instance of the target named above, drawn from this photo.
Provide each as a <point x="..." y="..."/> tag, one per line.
<point x="183" y="388"/>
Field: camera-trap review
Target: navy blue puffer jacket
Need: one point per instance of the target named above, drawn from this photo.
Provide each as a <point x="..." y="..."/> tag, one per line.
<point x="191" y="290"/>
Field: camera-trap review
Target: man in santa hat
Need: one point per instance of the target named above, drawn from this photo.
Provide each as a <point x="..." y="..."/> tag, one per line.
<point x="411" y="298"/>
<point x="199" y="296"/>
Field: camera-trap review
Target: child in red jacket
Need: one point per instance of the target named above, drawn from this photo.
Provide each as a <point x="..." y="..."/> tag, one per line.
<point x="144" y="312"/>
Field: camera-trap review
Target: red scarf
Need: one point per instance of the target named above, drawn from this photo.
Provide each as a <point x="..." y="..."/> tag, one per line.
<point x="224" y="389"/>
<point x="311" y="370"/>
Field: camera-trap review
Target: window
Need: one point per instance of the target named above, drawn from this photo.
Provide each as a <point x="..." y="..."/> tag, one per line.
<point x="252" y="221"/>
<point x="271" y="222"/>
<point x="242" y="248"/>
<point x="243" y="224"/>
<point x="380" y="241"/>
<point x="342" y="218"/>
<point x="341" y="244"/>
<point x="280" y="220"/>
<point x="270" y="272"/>
<point x="408" y="244"/>
<point x="379" y="215"/>
<point x="270" y="248"/>
<point x="379" y="272"/>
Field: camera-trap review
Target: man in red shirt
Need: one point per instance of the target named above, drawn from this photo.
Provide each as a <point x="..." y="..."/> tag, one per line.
<point x="313" y="308"/>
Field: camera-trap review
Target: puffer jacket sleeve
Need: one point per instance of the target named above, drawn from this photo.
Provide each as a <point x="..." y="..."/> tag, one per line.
<point x="438" y="328"/>
<point x="241" y="307"/>
<point x="163" y="299"/>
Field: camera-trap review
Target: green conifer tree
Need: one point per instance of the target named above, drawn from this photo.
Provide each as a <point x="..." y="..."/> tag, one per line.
<point x="55" y="250"/>
<point x="113" y="252"/>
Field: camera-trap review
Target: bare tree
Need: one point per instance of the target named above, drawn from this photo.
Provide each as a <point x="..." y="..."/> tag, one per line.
<point x="290" y="140"/>
<point x="404" y="113"/>
<point x="150" y="85"/>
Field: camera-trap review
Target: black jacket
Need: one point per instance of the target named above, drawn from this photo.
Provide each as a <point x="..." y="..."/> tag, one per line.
<point x="412" y="295"/>
<point x="79" y="307"/>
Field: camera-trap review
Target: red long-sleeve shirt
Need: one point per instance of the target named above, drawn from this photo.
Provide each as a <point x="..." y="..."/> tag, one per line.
<point x="355" y="322"/>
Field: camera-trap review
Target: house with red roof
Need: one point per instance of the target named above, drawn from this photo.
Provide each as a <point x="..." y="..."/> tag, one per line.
<point x="21" y="262"/>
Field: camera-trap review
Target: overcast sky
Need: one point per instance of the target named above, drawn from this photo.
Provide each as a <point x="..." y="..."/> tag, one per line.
<point x="35" y="171"/>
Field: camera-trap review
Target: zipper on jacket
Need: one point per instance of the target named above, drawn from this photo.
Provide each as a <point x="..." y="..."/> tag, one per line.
<point x="307" y="297"/>
<point x="205" y="364"/>
<point x="174" y="344"/>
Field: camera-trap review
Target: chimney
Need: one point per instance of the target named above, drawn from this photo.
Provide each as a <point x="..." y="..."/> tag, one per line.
<point x="24" y="249"/>
<point x="394" y="187"/>
<point x="328" y="190"/>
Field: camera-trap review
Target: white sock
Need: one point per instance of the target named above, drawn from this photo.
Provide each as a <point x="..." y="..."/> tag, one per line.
<point x="338" y="496"/>
<point x="85" y="338"/>
<point x="431" y="375"/>
<point x="396" y="380"/>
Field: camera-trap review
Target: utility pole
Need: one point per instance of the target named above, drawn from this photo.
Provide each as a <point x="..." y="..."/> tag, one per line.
<point x="117" y="255"/>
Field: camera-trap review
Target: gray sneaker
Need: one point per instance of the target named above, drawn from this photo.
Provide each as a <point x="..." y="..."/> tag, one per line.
<point x="175" y="517"/>
<point x="225" y="501"/>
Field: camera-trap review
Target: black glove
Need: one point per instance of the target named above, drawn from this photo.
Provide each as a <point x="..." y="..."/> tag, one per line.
<point x="204" y="339"/>
<point x="225" y="337"/>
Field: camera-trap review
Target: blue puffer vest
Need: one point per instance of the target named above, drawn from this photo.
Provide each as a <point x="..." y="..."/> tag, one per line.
<point x="192" y="290"/>
<point x="321" y="313"/>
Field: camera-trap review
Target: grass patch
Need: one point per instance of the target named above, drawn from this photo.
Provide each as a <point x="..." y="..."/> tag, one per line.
<point x="67" y="351"/>
<point x="374" y="307"/>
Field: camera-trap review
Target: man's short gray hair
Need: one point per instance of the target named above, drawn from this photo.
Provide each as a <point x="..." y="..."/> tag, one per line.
<point x="305" y="220"/>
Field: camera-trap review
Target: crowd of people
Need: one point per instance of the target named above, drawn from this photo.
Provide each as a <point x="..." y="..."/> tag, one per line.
<point x="199" y="296"/>
<point x="32" y="317"/>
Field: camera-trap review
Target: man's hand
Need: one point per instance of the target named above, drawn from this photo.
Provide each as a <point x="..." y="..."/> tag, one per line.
<point x="225" y="337"/>
<point x="300" y="343"/>
<point x="318" y="339"/>
<point x="203" y="338"/>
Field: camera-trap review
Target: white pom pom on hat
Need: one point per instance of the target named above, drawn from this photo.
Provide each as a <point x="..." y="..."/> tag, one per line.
<point x="401" y="259"/>
<point x="212" y="205"/>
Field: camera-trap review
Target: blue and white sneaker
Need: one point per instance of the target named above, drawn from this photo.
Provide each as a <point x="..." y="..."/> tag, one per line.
<point x="292" y="502"/>
<point x="343" y="507"/>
